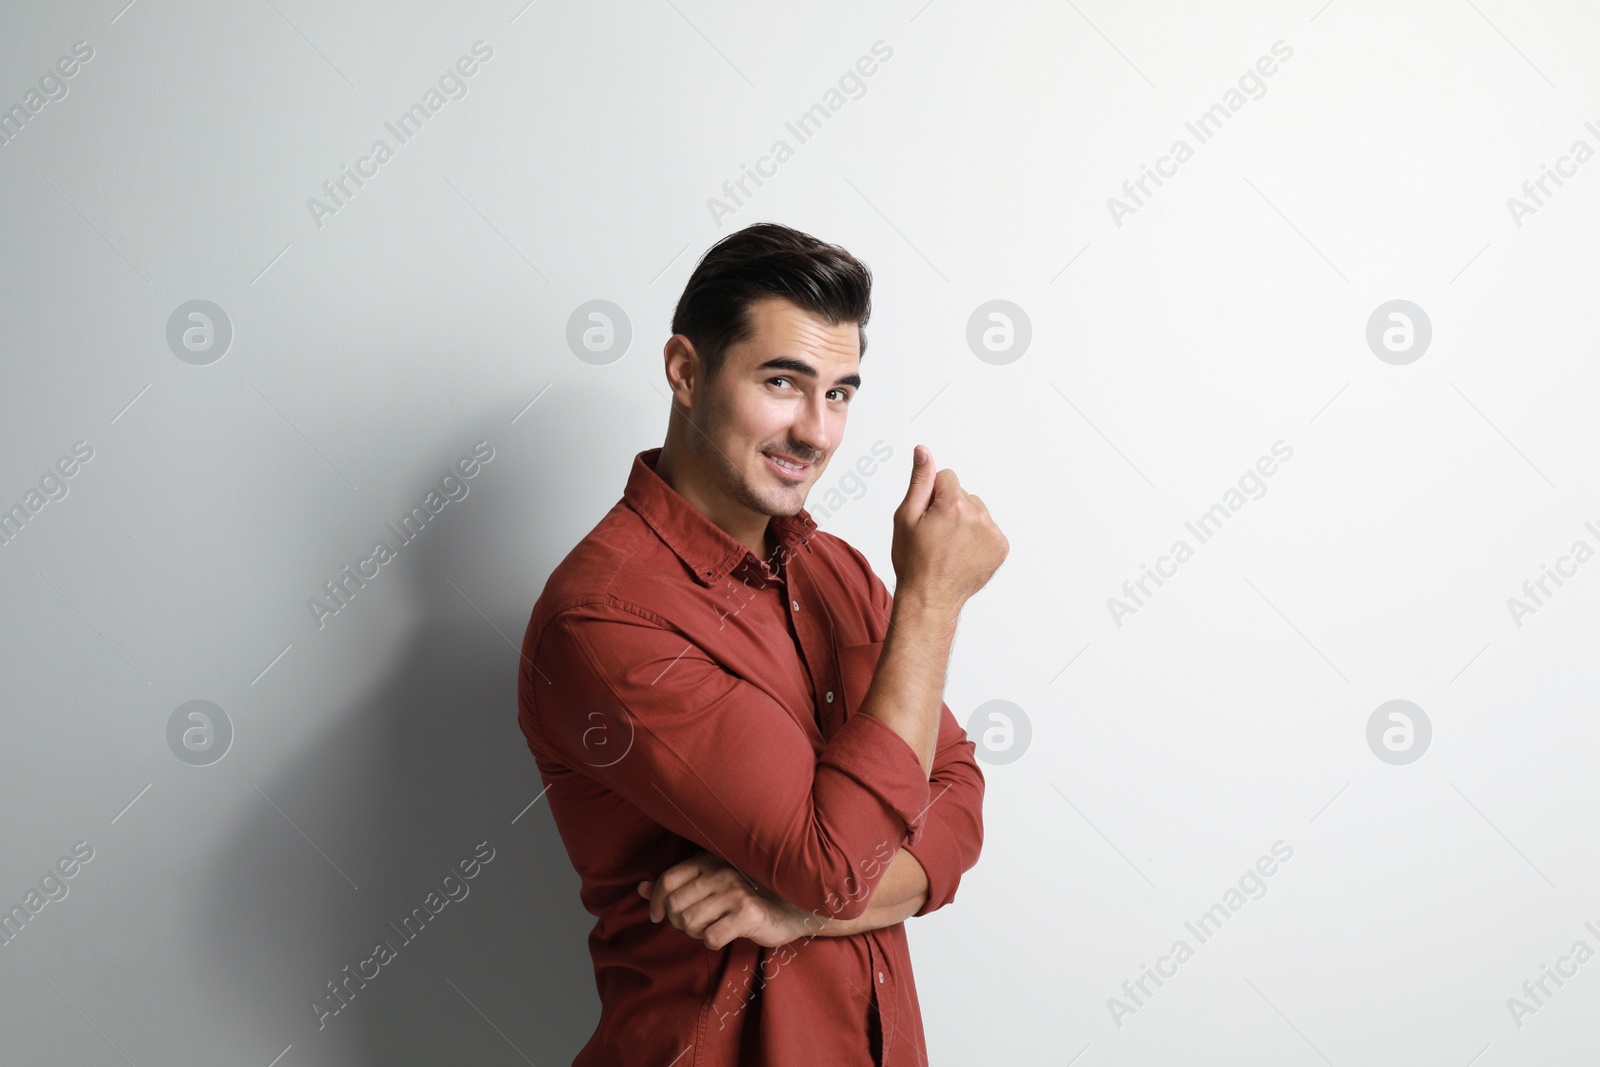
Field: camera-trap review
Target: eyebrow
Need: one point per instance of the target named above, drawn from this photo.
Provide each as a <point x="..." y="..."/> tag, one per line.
<point x="796" y="366"/>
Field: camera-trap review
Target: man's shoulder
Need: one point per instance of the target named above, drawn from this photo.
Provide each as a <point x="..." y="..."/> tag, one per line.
<point x="604" y="565"/>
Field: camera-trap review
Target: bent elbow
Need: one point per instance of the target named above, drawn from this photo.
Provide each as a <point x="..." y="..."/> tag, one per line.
<point x="834" y="897"/>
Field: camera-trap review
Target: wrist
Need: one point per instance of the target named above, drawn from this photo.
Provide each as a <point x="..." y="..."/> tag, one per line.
<point x="921" y="610"/>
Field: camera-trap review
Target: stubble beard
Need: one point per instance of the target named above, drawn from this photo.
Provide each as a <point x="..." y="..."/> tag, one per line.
<point x="727" y="475"/>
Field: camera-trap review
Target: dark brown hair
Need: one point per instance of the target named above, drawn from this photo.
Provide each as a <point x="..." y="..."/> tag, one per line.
<point x="761" y="260"/>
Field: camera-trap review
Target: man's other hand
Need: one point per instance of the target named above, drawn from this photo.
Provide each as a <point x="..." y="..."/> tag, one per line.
<point x="710" y="900"/>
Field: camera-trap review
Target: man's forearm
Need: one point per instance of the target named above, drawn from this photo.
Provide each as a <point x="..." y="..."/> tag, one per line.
<point x="907" y="689"/>
<point x="902" y="890"/>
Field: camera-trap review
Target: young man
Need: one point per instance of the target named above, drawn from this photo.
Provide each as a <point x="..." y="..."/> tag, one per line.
<point x="743" y="736"/>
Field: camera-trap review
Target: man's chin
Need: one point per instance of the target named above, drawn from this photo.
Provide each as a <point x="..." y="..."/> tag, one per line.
<point x="783" y="503"/>
<point x="786" y="506"/>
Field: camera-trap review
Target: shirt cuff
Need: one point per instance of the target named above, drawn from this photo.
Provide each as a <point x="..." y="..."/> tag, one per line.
<point x="939" y="853"/>
<point x="880" y="760"/>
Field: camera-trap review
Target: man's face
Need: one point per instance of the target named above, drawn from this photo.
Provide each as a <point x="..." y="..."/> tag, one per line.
<point x="783" y="393"/>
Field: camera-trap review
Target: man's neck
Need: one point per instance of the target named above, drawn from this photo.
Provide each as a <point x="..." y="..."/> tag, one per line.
<point x="753" y="531"/>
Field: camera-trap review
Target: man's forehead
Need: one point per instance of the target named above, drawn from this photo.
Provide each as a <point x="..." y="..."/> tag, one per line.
<point x="783" y="328"/>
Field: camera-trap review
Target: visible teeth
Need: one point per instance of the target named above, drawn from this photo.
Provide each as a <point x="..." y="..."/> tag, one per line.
<point x="786" y="463"/>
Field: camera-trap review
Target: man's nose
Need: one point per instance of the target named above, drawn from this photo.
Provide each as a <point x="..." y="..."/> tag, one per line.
<point x="811" y="430"/>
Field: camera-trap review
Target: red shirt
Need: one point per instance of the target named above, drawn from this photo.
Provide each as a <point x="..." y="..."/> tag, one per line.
<point x="678" y="694"/>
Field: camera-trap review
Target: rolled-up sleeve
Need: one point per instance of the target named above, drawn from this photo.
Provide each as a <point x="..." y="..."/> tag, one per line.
<point x="947" y="837"/>
<point x="952" y="827"/>
<point x="950" y="836"/>
<point x="619" y="695"/>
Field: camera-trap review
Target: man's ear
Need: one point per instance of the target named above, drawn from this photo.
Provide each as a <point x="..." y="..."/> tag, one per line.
<point x="682" y="364"/>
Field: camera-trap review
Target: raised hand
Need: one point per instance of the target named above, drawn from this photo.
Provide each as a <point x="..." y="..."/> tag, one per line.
<point x="946" y="545"/>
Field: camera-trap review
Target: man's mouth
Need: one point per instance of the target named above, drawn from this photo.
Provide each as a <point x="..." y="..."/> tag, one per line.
<point x="786" y="467"/>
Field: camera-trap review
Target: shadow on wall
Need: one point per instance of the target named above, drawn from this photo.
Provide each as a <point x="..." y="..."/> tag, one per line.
<point x="395" y="790"/>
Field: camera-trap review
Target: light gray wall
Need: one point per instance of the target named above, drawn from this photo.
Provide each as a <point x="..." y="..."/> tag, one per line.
<point x="1155" y="755"/>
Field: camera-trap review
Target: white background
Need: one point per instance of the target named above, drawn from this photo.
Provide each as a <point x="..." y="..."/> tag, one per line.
<point x="1168" y="353"/>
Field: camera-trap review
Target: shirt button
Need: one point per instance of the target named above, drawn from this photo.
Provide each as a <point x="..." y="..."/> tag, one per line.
<point x="880" y="977"/>
<point x="830" y="698"/>
<point x="795" y="604"/>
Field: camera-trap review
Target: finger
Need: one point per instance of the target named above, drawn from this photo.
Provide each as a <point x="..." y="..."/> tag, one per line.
<point x="695" y="918"/>
<point x="726" y="929"/>
<point x="677" y="902"/>
<point x="947" y="491"/>
<point x="920" y="491"/>
<point x="679" y="874"/>
<point x="669" y="880"/>
<point x="746" y="917"/>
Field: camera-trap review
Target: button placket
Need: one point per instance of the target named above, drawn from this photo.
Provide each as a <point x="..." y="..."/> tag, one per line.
<point x="881" y="993"/>
<point x="809" y="626"/>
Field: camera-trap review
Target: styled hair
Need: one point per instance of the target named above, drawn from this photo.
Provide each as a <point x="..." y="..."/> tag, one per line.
<point x="768" y="259"/>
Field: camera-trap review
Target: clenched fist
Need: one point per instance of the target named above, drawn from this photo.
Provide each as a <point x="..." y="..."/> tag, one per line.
<point x="946" y="545"/>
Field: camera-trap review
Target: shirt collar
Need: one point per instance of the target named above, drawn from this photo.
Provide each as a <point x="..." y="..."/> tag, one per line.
<point x="709" y="551"/>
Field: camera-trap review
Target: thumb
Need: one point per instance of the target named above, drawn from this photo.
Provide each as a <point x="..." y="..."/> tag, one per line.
<point x="920" y="492"/>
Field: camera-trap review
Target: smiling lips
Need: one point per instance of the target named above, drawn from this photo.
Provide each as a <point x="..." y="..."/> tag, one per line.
<point x="794" y="473"/>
